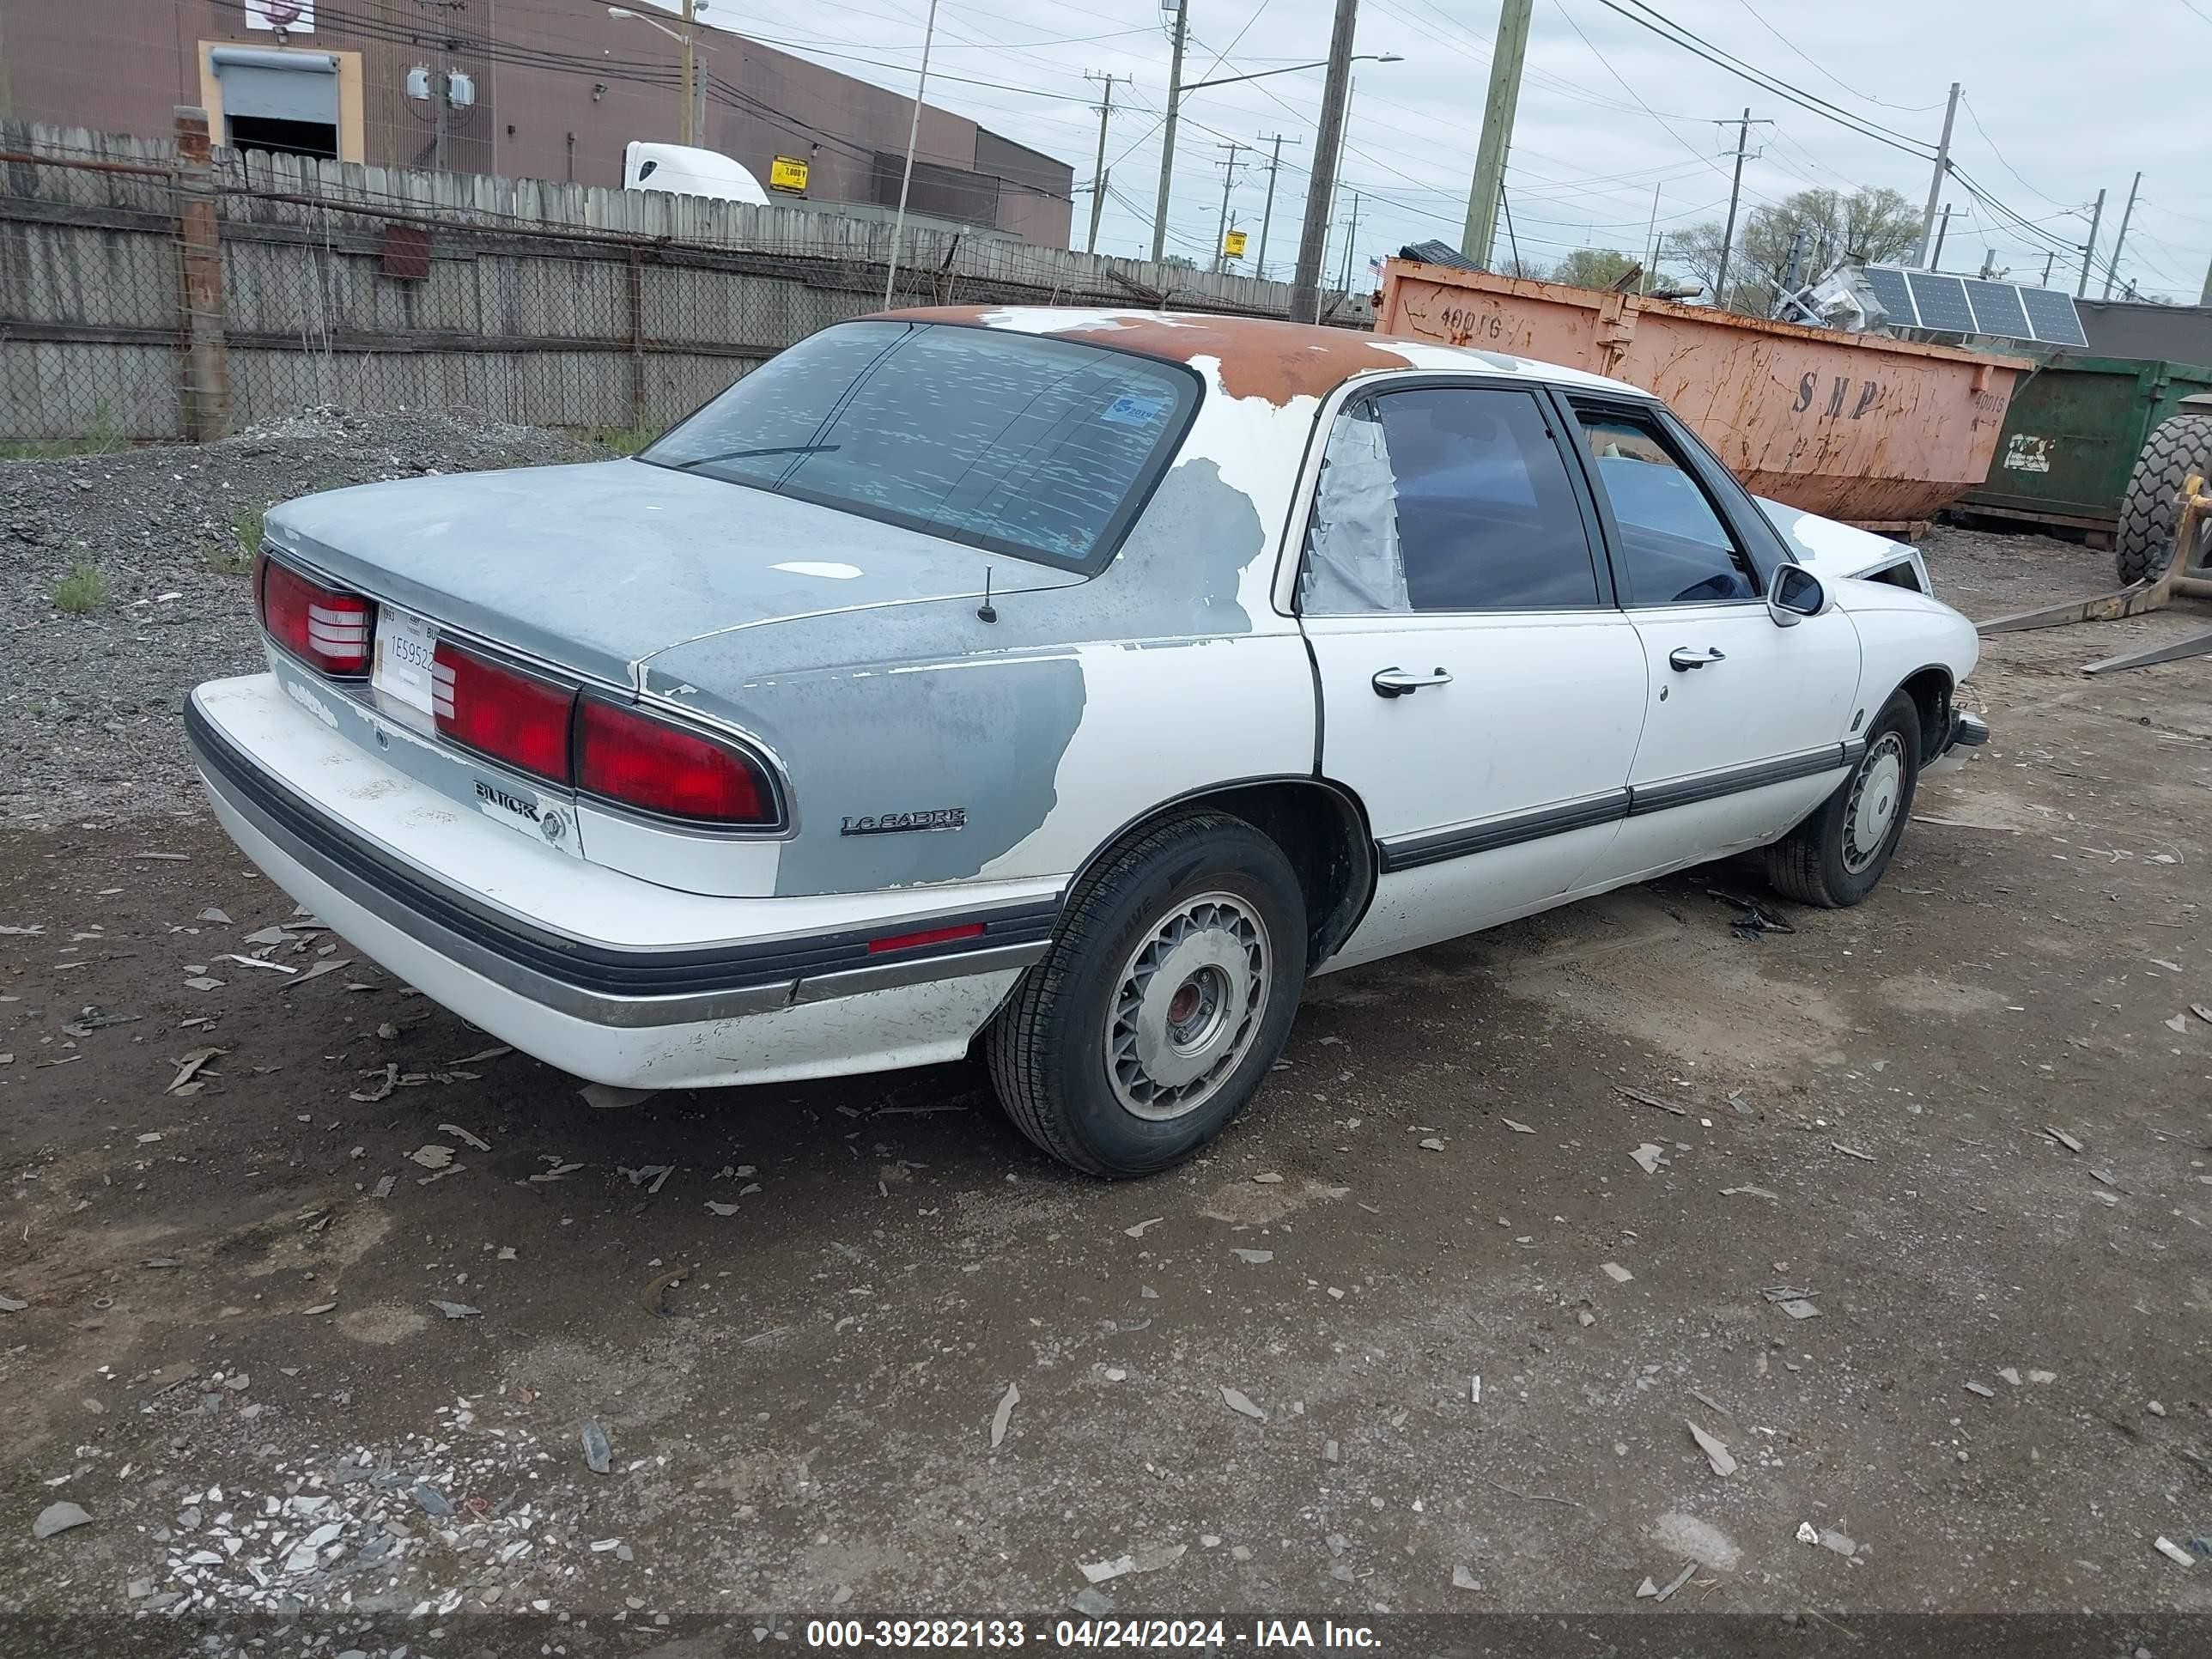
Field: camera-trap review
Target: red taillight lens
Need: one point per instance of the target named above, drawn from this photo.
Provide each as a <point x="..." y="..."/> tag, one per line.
<point x="503" y="713"/>
<point x="322" y="627"/>
<point x="639" y="762"/>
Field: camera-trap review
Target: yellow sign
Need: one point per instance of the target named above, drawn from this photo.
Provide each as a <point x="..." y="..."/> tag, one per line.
<point x="1232" y="244"/>
<point x="787" y="173"/>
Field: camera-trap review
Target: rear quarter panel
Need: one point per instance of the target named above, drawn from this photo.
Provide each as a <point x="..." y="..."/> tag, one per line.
<point x="1074" y="714"/>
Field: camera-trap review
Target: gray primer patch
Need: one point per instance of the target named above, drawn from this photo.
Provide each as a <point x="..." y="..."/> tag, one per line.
<point x="985" y="729"/>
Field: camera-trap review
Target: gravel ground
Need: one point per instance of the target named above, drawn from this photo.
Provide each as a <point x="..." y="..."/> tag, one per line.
<point x="91" y="725"/>
<point x="318" y="1336"/>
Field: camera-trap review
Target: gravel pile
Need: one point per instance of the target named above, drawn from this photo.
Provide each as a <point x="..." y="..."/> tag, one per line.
<point x="91" y="724"/>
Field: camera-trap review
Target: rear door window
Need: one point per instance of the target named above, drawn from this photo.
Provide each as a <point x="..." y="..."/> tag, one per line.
<point x="1446" y="498"/>
<point x="1040" y="447"/>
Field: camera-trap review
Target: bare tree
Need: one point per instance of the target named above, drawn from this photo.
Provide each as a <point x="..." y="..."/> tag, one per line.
<point x="1868" y="226"/>
<point x="1592" y="267"/>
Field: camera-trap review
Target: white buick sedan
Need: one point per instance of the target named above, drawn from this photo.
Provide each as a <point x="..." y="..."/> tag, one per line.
<point x="1077" y="683"/>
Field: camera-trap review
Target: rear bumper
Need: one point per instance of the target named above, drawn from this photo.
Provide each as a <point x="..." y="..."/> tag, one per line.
<point x="745" y="997"/>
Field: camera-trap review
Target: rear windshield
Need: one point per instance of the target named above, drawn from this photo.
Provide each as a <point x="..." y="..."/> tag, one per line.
<point x="1039" y="447"/>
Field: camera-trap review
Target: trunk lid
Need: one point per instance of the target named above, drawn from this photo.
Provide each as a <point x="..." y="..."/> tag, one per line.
<point x="597" y="566"/>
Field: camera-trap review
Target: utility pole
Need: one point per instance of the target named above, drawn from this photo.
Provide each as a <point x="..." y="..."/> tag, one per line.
<point x="2096" y="219"/>
<point x="1488" y="186"/>
<point x="1098" y="168"/>
<point x="1650" y="238"/>
<point x="1351" y="240"/>
<point x="913" y="137"/>
<point x="1735" y="191"/>
<point x="1167" y="130"/>
<point x="1267" y="215"/>
<point x="691" y="76"/>
<point x="1313" y="235"/>
<point x="1935" y="258"/>
<point x="2051" y="259"/>
<point x="2205" y="298"/>
<point x="2113" y="267"/>
<point x="1935" y="183"/>
<point x="1228" y="183"/>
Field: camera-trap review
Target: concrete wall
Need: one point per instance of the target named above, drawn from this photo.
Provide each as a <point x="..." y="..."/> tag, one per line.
<point x="561" y="88"/>
<point x="542" y="303"/>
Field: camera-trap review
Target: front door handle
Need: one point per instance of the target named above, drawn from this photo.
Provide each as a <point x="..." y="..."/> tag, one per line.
<point x="1400" y="681"/>
<point x="1684" y="658"/>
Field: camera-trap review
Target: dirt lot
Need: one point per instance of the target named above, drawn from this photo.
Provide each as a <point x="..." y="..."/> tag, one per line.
<point x="1967" y="1123"/>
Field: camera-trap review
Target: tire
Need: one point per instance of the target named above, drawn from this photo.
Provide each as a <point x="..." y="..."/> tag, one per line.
<point x="2150" y="512"/>
<point x="1825" y="860"/>
<point x="1185" y="952"/>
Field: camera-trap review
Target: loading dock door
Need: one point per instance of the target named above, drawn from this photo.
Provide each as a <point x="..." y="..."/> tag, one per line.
<point x="286" y="101"/>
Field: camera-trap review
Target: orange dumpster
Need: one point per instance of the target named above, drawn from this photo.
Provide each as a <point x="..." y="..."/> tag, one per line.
<point x="1877" y="433"/>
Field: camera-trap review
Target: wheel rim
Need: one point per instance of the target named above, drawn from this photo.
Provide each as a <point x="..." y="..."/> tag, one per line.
<point x="1187" y="1006"/>
<point x="1877" y="793"/>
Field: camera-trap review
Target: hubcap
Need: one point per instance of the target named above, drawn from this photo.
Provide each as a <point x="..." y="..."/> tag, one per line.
<point x="1877" y="790"/>
<point x="1187" y="1006"/>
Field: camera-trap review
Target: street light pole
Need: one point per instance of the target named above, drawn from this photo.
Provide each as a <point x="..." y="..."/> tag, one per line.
<point x="1168" y="129"/>
<point x="1305" y="286"/>
<point x="913" y="137"/>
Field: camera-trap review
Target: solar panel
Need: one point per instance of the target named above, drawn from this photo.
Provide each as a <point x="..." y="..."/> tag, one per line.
<point x="1941" y="301"/>
<point x="2050" y="314"/>
<point x="1895" y="299"/>
<point x="1997" y="308"/>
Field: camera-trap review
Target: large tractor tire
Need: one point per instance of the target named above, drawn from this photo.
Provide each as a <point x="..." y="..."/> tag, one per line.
<point x="2150" y="511"/>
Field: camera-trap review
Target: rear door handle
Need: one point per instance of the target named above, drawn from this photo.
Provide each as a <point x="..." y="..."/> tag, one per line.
<point x="1401" y="682"/>
<point x="1684" y="658"/>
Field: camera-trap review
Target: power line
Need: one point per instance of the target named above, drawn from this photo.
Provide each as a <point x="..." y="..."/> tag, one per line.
<point x="1826" y="74"/>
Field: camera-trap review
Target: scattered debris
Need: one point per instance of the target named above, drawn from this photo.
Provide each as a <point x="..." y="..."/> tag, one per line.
<point x="1641" y="1098"/>
<point x="455" y="1310"/>
<point x="482" y="1054"/>
<point x="1431" y="1143"/>
<point x="1615" y="1272"/>
<point x="2062" y="1138"/>
<point x="1138" y="1231"/>
<point x="598" y="1451"/>
<point x="1716" y="1452"/>
<point x="656" y="1294"/>
<point x="1464" y="1578"/>
<point x="1983" y="1390"/>
<point x="1005" y="1414"/>
<point x="326" y="966"/>
<point x="1648" y="1157"/>
<point x="1518" y="1128"/>
<point x="211" y="914"/>
<point x="1852" y="1151"/>
<point x="1830" y="1539"/>
<point x="1091" y="1605"/>
<point x="1750" y="1192"/>
<point x="1807" y="1532"/>
<point x="1674" y="1583"/>
<point x="1709" y="1403"/>
<point x="2043" y="1377"/>
<point x="60" y="1518"/>
<point x="2010" y="1374"/>
<point x="1753" y="923"/>
<point x="1146" y="1560"/>
<point x="1268" y="1178"/>
<point x="459" y="1133"/>
<point x="658" y="1174"/>
<point x="1241" y="1403"/>
<point x="2166" y="1547"/>
<point x="718" y="1209"/>
<point x="383" y="1091"/>
<point x="11" y="1305"/>
<point x="432" y="1156"/>
<point x="1256" y="1258"/>
<point x="256" y="962"/>
<point x="188" y="1066"/>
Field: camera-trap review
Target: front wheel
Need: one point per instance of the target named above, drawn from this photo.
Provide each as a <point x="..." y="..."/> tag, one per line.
<point x="1836" y="856"/>
<point x="1165" y="999"/>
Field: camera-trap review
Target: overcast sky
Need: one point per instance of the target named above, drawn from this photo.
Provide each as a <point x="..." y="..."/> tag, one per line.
<point x="2061" y="100"/>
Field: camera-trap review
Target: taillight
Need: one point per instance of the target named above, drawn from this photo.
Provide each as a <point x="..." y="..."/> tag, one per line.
<point x="639" y="762"/>
<point x="322" y="627"/>
<point x="500" y="711"/>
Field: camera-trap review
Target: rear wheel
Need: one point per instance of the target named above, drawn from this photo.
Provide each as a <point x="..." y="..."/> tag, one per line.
<point x="2150" y="512"/>
<point x="1835" y="858"/>
<point x="1165" y="999"/>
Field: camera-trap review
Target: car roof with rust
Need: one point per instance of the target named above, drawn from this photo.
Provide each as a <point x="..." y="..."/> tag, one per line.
<point x="1258" y="356"/>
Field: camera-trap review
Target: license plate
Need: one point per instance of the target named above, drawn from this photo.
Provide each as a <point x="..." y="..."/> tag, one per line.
<point x="402" y="666"/>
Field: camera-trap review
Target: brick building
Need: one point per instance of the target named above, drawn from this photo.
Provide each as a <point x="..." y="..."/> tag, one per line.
<point x="525" y="89"/>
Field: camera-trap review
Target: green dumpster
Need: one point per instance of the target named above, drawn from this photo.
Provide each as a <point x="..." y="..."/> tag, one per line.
<point x="2070" y="438"/>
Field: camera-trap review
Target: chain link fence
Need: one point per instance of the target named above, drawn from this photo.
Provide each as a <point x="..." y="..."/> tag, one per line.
<point x="147" y="294"/>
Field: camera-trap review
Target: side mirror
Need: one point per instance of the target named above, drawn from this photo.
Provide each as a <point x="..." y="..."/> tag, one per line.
<point x="1795" y="594"/>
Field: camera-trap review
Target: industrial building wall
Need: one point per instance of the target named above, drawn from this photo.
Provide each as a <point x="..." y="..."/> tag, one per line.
<point x="559" y="88"/>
